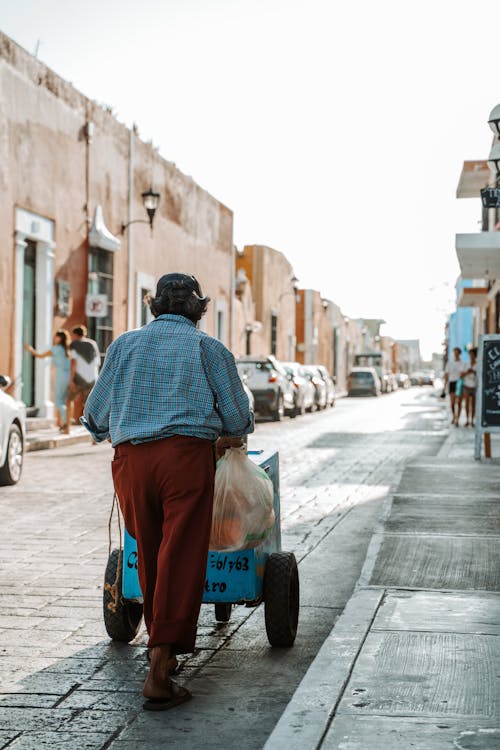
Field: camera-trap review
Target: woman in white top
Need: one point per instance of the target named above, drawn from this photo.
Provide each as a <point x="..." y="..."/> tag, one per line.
<point x="469" y="376"/>
<point x="452" y="374"/>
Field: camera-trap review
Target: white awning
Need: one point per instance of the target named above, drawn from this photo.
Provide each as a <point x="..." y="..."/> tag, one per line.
<point x="474" y="296"/>
<point x="100" y="236"/>
<point x="479" y="255"/>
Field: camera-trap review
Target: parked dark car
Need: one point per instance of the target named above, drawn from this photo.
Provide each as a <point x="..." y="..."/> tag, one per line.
<point x="427" y="377"/>
<point x="270" y="386"/>
<point x="363" y="381"/>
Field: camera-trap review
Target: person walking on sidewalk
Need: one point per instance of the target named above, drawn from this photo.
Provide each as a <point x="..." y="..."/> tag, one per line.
<point x="85" y="359"/>
<point x="59" y="352"/>
<point x="469" y="376"/>
<point x="452" y="373"/>
<point x="166" y="392"/>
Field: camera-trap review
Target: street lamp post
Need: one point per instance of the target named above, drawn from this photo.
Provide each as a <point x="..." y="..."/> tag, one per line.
<point x="150" y="201"/>
<point x="248" y="336"/>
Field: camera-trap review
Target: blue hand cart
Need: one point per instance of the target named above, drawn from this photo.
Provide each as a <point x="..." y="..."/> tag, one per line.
<point x="248" y="577"/>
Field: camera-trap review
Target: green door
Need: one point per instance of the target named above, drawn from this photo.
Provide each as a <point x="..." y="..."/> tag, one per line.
<point x="29" y="323"/>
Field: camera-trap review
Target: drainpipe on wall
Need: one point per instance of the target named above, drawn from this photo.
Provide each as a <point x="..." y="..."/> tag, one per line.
<point x="130" y="238"/>
<point x="89" y="133"/>
<point x="308" y="327"/>
<point x="232" y="293"/>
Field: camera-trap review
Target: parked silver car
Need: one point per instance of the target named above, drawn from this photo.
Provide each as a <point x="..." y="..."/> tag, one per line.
<point x="268" y="381"/>
<point x="402" y="380"/>
<point x="319" y="384"/>
<point x="12" y="435"/>
<point x="304" y="392"/>
<point x="330" y="385"/>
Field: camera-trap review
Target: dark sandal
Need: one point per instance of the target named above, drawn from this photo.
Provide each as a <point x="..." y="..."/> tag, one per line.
<point x="179" y="695"/>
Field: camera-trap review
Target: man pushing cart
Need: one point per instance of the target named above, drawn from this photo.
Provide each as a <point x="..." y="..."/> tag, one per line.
<point x="165" y="394"/>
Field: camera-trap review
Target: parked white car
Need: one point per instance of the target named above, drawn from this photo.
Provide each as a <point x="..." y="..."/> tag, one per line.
<point x="12" y="435"/>
<point x="330" y="385"/>
<point x="304" y="393"/>
<point x="268" y="381"/>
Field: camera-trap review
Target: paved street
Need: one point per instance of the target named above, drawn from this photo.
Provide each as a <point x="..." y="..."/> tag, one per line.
<point x="64" y="685"/>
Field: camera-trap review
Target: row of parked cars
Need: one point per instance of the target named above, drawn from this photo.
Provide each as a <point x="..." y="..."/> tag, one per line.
<point x="279" y="388"/>
<point x="366" y="381"/>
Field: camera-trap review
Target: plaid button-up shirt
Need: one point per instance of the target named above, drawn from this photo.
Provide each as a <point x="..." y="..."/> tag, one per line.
<point x="167" y="378"/>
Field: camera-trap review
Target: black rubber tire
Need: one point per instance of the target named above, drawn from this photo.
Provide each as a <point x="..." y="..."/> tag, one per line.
<point x="9" y="473"/>
<point x="223" y="612"/>
<point x="279" y="412"/>
<point x="281" y="598"/>
<point x="122" y="625"/>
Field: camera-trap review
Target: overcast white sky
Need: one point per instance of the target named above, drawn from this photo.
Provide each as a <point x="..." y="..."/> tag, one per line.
<point x="335" y="131"/>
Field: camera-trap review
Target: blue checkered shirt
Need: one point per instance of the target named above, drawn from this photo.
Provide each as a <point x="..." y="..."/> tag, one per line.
<point x="167" y="378"/>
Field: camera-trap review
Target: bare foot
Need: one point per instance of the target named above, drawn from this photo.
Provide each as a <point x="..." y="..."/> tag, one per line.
<point x="158" y="683"/>
<point x="173" y="659"/>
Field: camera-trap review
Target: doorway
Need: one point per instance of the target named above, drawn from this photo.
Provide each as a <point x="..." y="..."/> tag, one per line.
<point x="29" y="324"/>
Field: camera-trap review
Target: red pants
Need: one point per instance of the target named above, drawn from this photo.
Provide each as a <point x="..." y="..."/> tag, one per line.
<point x="165" y="489"/>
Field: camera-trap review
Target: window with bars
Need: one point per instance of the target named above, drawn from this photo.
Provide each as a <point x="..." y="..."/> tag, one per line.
<point x="101" y="282"/>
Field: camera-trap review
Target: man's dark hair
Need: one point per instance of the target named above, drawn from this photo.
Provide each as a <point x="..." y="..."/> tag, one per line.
<point x="179" y="294"/>
<point x="79" y="330"/>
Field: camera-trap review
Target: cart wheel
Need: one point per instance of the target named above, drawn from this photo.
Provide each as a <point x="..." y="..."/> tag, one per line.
<point x="121" y="621"/>
<point x="281" y="598"/>
<point x="223" y="612"/>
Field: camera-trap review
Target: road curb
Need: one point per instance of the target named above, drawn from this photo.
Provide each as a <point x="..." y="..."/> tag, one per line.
<point x="46" y="442"/>
<point x="308" y="715"/>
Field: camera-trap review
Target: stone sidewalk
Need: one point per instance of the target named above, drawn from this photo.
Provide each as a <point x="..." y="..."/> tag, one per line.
<point x="43" y="434"/>
<point x="414" y="661"/>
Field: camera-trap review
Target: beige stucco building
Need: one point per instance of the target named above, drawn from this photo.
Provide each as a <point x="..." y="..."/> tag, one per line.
<point x="71" y="176"/>
<point x="273" y="284"/>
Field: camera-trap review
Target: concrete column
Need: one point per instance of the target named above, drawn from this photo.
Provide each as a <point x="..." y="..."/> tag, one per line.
<point x="44" y="325"/>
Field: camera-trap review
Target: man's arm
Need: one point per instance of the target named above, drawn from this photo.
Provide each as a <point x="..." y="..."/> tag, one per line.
<point x="231" y="399"/>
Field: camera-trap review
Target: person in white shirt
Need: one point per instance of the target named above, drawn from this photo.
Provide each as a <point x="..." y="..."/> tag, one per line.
<point x="452" y="375"/>
<point x="469" y="376"/>
<point x="85" y="360"/>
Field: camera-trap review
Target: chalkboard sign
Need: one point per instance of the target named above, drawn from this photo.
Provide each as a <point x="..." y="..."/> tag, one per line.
<point x="490" y="384"/>
<point x="488" y="389"/>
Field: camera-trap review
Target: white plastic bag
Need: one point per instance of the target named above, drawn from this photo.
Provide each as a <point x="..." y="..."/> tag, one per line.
<point x="243" y="513"/>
